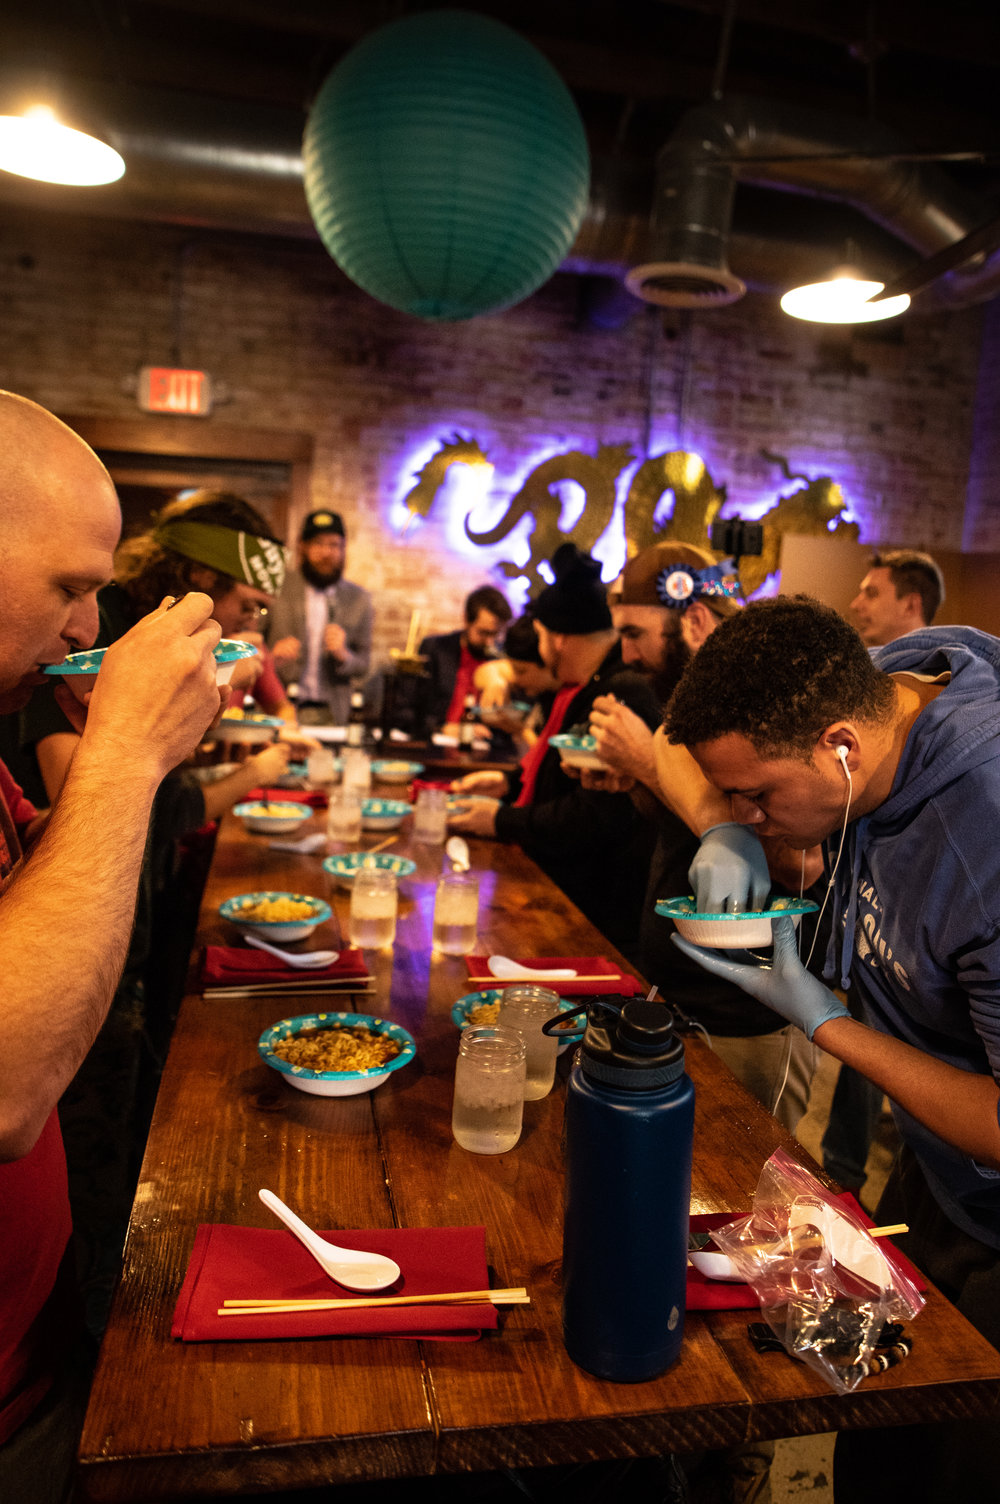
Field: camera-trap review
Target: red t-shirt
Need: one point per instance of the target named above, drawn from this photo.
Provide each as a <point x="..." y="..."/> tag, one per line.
<point x="36" y="1284"/>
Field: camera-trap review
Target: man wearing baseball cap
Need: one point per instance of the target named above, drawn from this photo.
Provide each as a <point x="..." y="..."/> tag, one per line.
<point x="321" y="627"/>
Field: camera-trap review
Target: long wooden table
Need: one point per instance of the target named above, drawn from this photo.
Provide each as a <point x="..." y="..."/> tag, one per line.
<point x="169" y="1420"/>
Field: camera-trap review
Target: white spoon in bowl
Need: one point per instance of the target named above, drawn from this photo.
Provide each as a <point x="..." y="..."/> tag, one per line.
<point x="307" y="960"/>
<point x="348" y="1266"/>
<point x="506" y="970"/>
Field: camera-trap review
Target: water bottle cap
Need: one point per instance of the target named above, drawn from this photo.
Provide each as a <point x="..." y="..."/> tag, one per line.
<point x="637" y="1050"/>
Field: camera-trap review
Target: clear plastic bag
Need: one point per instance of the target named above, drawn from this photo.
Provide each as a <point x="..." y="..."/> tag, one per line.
<point x="825" y="1286"/>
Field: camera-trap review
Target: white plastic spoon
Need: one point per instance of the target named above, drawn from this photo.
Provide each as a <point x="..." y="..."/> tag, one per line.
<point x="348" y="1266"/>
<point x="506" y="970"/>
<point x="457" y="853"/>
<point x="307" y="960"/>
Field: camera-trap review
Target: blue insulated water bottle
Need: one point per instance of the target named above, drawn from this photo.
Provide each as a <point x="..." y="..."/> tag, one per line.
<point x="629" y="1129"/>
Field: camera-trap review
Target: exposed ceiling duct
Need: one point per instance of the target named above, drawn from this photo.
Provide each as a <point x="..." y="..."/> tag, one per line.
<point x="217" y="165"/>
<point x="857" y="163"/>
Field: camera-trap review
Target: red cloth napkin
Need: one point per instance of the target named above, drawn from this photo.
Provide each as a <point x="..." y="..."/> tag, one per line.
<point x="585" y="966"/>
<point x="704" y="1294"/>
<point x="315" y="798"/>
<point x="253" y="1263"/>
<point x="228" y="966"/>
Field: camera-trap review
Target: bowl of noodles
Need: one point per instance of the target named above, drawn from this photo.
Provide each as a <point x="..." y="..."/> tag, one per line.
<point x="274" y="818"/>
<point x="336" y="1054"/>
<point x="276" y="916"/>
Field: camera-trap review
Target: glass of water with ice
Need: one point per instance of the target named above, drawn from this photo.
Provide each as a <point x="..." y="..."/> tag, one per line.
<point x="489" y="1089"/>
<point x="372" y="919"/>
<point x="456" y="911"/>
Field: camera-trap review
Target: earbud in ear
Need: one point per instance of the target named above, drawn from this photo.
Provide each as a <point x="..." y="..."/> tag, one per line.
<point x="841" y="755"/>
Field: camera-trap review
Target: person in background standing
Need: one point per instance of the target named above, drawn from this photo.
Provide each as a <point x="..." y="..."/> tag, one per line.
<point x="320" y="631"/>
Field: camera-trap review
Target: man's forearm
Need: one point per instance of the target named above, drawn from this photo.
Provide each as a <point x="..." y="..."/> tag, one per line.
<point x="65" y="923"/>
<point x="685" y="790"/>
<point x="961" y="1108"/>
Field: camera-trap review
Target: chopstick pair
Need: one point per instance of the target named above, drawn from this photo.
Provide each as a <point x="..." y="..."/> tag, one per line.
<point x="513" y="1297"/>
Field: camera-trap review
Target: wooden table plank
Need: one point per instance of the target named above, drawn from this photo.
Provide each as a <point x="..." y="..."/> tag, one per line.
<point x="244" y="1417"/>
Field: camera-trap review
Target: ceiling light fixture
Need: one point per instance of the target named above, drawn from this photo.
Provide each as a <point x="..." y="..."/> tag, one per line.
<point x="37" y="145"/>
<point x="842" y="299"/>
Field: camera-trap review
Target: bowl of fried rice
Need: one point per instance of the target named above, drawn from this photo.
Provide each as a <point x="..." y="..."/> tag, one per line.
<point x="276" y="916"/>
<point x="274" y="818"/>
<point x="336" y="1054"/>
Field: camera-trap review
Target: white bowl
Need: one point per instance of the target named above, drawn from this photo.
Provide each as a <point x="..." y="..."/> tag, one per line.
<point x="335" y="1083"/>
<point x="346" y="867"/>
<point x="395" y="770"/>
<point x="274" y="819"/>
<point x="383" y="814"/>
<point x="460" y="1013"/>
<point x="80" y="670"/>
<point x="578" y="752"/>
<point x="730" y="931"/>
<point x="247" y="728"/>
<point x="281" y="930"/>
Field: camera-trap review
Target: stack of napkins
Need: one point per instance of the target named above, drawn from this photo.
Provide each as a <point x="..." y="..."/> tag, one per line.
<point x="230" y="971"/>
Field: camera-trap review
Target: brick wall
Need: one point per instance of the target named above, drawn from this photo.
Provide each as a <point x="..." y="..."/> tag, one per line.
<point x="84" y="304"/>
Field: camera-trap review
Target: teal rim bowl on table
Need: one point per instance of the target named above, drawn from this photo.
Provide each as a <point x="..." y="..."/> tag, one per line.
<point x="274" y="818"/>
<point x="81" y="669"/>
<point x="578" y="751"/>
<point x="731" y="931"/>
<point x="345" y="867"/>
<point x="395" y="770"/>
<point x="488" y="996"/>
<point x="344" y="1083"/>
<point x="383" y="814"/>
<point x="241" y="910"/>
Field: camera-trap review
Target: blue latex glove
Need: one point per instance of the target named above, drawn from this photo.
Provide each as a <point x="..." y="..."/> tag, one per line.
<point x="729" y="871"/>
<point x="784" y="985"/>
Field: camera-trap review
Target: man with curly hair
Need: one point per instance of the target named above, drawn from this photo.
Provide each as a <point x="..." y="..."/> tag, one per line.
<point x="894" y="759"/>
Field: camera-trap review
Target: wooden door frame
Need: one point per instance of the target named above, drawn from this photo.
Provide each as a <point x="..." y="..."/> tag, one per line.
<point x="192" y="438"/>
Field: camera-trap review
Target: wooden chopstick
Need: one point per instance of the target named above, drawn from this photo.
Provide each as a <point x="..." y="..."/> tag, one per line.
<point x="562" y="981"/>
<point x="513" y="1297"/>
<point x="889" y="1231"/>
<point x="381" y="846"/>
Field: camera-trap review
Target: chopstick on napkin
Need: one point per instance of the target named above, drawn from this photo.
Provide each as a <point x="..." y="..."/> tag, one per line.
<point x="594" y="975"/>
<point x="512" y="1297"/>
<point x="231" y="966"/>
<point x="250" y="1262"/>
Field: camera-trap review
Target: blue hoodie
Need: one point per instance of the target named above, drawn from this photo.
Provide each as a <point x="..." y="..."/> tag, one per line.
<point x="919" y="889"/>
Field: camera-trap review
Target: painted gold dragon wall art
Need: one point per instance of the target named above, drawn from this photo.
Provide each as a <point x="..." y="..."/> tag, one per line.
<point x="670" y="495"/>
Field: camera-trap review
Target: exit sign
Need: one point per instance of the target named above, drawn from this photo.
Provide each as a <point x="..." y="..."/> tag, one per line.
<point x="163" y="389"/>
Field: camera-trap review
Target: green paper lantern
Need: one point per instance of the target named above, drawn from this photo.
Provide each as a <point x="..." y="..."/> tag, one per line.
<point x="446" y="165"/>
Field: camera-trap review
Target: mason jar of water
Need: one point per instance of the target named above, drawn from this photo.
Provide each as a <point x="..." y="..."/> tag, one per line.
<point x="526" y="1009"/>
<point x="372" y="919"/>
<point x="489" y="1089"/>
<point x="456" y="912"/>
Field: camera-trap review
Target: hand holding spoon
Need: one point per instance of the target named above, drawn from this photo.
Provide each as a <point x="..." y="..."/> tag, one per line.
<point x="348" y="1266"/>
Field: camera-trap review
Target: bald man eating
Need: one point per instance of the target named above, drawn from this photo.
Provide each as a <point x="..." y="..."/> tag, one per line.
<point x="67" y="888"/>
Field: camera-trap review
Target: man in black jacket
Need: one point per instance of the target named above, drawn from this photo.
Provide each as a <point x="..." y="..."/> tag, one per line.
<point x="453" y="657"/>
<point x="593" y="845"/>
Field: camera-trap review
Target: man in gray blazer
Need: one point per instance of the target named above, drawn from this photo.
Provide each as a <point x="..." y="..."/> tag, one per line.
<point x="321" y="625"/>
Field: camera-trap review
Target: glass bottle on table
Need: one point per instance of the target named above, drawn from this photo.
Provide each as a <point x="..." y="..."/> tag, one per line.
<point x="467" y="725"/>
<point x="356" y="720"/>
